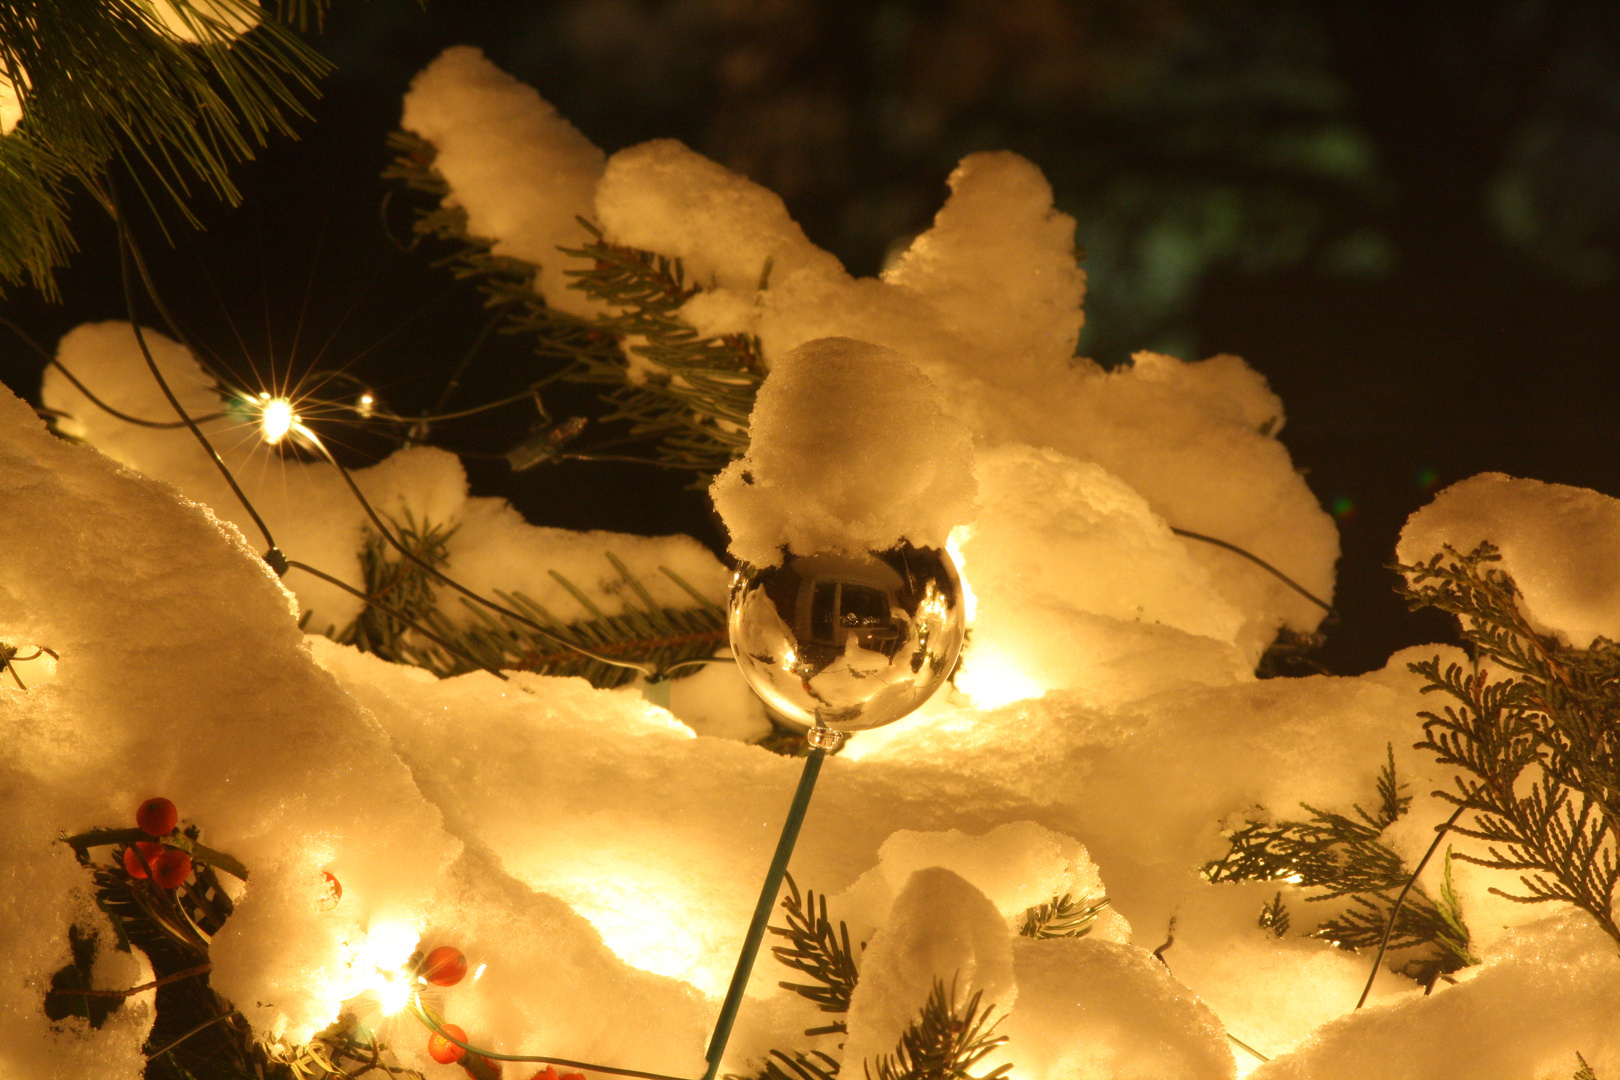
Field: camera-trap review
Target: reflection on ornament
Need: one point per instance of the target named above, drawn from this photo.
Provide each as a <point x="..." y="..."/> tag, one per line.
<point x="848" y="642"/>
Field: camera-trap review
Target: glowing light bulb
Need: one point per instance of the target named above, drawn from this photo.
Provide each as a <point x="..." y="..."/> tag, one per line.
<point x="276" y="418"/>
<point x="393" y="993"/>
<point x="365" y="405"/>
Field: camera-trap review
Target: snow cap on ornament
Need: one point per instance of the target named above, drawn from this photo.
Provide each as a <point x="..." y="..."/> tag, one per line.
<point x="849" y="451"/>
<point x="847" y="612"/>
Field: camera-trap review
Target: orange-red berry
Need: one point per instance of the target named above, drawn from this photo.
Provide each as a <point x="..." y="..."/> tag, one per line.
<point x="157" y="816"/>
<point x="171" y="868"/>
<point x="132" y="862"/>
<point x="444" y="966"/>
<point x="444" y="1051"/>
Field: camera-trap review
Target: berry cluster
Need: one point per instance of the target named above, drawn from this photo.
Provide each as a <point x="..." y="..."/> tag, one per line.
<point x="447" y="966"/>
<point x="168" y="867"/>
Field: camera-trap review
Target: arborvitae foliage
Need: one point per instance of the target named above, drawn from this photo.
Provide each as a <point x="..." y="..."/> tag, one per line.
<point x="644" y="632"/>
<point x="1585" y="1071"/>
<point x="1335" y="856"/>
<point x="1062" y="916"/>
<point x="945" y="1042"/>
<point x="107" y="81"/>
<point x="1274" y="917"/>
<point x="688" y="396"/>
<point x="1533" y="729"/>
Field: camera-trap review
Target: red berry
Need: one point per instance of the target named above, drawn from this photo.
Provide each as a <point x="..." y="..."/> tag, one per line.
<point x="157" y="817"/>
<point x="444" y="1051"/>
<point x="334" y="892"/>
<point x="444" y="966"/>
<point x="171" y="868"/>
<point x="132" y="862"/>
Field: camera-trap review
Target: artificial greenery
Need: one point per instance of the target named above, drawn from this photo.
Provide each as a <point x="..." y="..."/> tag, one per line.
<point x="1332" y="856"/>
<point x="688" y="397"/>
<point x="1532" y="726"/>
<point x="110" y="82"/>
<point x="644" y="632"/>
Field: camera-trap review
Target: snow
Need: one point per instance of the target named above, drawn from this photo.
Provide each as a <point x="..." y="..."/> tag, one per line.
<point x="496" y="136"/>
<point x="598" y="856"/>
<point x="316" y="520"/>
<point x="11" y="110"/>
<point x="942" y="929"/>
<point x="1526" y="1012"/>
<point x="1556" y="541"/>
<point x="1080" y="585"/>
<point x="849" y="451"/>
<point x="1100" y="1010"/>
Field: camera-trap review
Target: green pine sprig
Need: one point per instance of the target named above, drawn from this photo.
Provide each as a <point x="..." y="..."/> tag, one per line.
<point x="1062" y="916"/>
<point x="645" y="632"/>
<point x="104" y="83"/>
<point x="945" y="1042"/>
<point x="687" y="398"/>
<point x="815" y="949"/>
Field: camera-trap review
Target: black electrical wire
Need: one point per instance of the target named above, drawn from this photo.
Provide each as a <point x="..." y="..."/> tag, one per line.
<point x="125" y="247"/>
<point x="402" y="617"/>
<point x="388" y="535"/>
<point x="1258" y="561"/>
<point x="85" y="390"/>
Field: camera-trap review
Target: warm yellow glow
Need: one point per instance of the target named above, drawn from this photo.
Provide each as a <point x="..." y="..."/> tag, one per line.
<point x="393" y="994"/>
<point x="377" y="968"/>
<point x="366" y="404"/>
<point x="276" y="418"/>
<point x="953" y="545"/>
<point x="478" y="972"/>
<point x="992" y="680"/>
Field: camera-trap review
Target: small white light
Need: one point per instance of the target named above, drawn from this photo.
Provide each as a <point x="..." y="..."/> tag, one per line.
<point x="365" y="405"/>
<point x="478" y="972"/>
<point x="277" y="418"/>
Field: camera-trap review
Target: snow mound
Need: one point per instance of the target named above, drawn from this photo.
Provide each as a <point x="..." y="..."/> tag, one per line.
<point x="849" y="451"/>
<point x="1557" y="542"/>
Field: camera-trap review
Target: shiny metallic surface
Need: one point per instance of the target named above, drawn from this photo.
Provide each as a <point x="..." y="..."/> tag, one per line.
<point x="850" y="641"/>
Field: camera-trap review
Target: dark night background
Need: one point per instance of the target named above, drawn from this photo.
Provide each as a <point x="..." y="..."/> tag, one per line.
<point x="1406" y="216"/>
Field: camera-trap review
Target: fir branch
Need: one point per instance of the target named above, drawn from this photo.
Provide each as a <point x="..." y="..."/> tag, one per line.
<point x="105" y="82"/>
<point x="1062" y="916"/>
<point x="1585" y="1071"/>
<point x="1342" y="856"/>
<point x="644" y="631"/>
<point x="944" y="1042"/>
<point x="1533" y="728"/>
<point x="817" y="950"/>
<point x="408" y="587"/>
<point x="688" y="395"/>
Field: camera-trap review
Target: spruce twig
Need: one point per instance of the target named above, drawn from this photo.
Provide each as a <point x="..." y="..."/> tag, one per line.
<point x="686" y="395"/>
<point x="944" y="1042"/>
<point x="1062" y="916"/>
<point x="817" y="950"/>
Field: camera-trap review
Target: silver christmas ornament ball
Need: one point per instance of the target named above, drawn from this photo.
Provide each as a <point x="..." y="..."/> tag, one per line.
<point x="848" y="642"/>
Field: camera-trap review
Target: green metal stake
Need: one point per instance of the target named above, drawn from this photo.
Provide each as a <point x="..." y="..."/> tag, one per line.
<point x="821" y="739"/>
